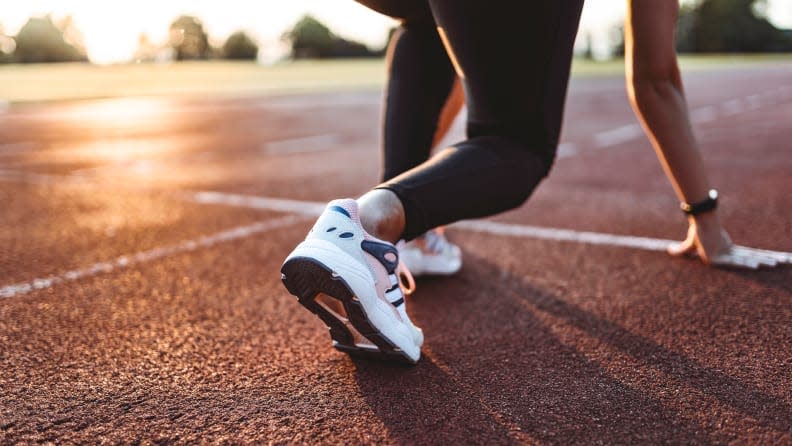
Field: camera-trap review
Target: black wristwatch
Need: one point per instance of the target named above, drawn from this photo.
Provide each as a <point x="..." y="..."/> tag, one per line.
<point x="706" y="205"/>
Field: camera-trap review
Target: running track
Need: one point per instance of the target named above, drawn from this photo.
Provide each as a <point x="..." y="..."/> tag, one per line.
<point x="140" y="298"/>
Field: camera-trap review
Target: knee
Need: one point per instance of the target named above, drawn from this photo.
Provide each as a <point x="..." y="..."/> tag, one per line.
<point x="524" y="165"/>
<point x="533" y="168"/>
<point x="524" y="142"/>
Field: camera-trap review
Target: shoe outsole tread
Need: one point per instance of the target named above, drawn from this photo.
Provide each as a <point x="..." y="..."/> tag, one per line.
<point x="306" y="278"/>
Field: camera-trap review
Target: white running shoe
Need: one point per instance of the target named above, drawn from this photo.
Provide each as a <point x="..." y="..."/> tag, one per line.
<point x="431" y="254"/>
<point x="352" y="281"/>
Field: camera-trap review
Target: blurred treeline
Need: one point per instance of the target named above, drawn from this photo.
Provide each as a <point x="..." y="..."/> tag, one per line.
<point x="311" y="39"/>
<point x="44" y="39"/>
<point x="704" y="26"/>
<point x="729" y="26"/>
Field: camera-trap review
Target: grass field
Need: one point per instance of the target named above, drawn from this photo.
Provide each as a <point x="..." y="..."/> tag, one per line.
<point x="37" y="83"/>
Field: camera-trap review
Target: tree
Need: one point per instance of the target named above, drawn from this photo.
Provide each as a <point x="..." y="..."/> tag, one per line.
<point x="240" y="46"/>
<point x="310" y="39"/>
<point x="7" y="47"/>
<point x="40" y="40"/>
<point x="188" y="39"/>
<point x="588" y="50"/>
<point x="724" y="26"/>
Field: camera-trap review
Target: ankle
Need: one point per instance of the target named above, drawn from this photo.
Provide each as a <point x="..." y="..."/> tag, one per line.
<point x="382" y="215"/>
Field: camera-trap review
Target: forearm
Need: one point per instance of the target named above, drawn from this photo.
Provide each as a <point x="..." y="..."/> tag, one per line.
<point x="657" y="96"/>
<point x="659" y="102"/>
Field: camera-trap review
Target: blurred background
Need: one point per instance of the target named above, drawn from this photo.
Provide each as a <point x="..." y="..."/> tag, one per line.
<point x="122" y="37"/>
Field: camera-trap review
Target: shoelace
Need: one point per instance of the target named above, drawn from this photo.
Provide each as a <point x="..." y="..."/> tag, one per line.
<point x="435" y="241"/>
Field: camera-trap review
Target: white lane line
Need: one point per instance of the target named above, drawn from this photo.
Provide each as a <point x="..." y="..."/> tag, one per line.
<point x="617" y="136"/>
<point x="301" y="144"/>
<point x="309" y="208"/>
<point x="564" y="235"/>
<point x="566" y="150"/>
<point x="732" y="107"/>
<point x="146" y="256"/>
<point x="314" y="208"/>
<point x="703" y="115"/>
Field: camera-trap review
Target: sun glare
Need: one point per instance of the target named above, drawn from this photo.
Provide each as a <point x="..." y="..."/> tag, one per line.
<point x="109" y="38"/>
<point x="108" y="48"/>
<point x="118" y="112"/>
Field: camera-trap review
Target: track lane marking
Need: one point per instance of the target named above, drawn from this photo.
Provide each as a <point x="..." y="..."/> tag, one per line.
<point x="564" y="235"/>
<point x="125" y="261"/>
<point x="566" y="150"/>
<point x="302" y="144"/>
<point x="308" y="208"/>
<point x="703" y="115"/>
<point x="315" y="208"/>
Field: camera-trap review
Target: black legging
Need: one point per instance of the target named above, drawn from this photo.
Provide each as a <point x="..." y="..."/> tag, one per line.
<point x="513" y="58"/>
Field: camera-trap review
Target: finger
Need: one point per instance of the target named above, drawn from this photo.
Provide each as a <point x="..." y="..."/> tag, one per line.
<point x="682" y="249"/>
<point x="781" y="257"/>
<point x="766" y="261"/>
<point x="733" y="260"/>
<point x="758" y="255"/>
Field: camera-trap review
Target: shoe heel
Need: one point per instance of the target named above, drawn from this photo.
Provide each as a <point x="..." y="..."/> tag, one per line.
<point x="305" y="278"/>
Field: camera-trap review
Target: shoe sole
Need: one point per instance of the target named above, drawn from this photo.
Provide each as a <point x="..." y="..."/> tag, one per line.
<point x="306" y="278"/>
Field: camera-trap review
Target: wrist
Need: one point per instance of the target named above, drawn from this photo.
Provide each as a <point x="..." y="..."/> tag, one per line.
<point x="703" y="206"/>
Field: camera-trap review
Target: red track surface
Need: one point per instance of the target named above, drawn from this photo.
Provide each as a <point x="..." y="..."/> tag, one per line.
<point x="535" y="341"/>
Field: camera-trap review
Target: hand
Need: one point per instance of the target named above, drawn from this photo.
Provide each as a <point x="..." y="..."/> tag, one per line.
<point x="714" y="247"/>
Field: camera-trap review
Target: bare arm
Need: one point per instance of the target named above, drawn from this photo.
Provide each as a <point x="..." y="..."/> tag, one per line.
<point x="655" y="88"/>
<point x="656" y="93"/>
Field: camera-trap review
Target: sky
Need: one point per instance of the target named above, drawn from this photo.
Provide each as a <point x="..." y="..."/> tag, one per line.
<point x="111" y="29"/>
